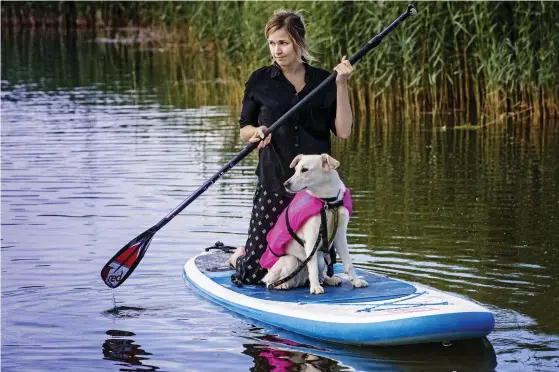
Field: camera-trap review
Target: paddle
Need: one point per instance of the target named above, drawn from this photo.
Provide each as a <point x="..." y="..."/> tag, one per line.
<point x="119" y="268"/>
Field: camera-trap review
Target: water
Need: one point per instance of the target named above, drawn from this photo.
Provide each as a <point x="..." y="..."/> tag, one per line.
<point x="96" y="149"/>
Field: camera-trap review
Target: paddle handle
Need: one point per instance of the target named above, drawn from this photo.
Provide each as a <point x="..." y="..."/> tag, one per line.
<point x="374" y="42"/>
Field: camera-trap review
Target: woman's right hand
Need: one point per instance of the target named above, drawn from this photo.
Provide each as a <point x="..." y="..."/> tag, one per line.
<point x="258" y="136"/>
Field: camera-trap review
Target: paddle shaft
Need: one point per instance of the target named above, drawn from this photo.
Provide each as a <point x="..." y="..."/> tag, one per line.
<point x="374" y="42"/>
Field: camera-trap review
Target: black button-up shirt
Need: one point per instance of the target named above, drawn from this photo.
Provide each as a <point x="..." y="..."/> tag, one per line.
<point x="269" y="95"/>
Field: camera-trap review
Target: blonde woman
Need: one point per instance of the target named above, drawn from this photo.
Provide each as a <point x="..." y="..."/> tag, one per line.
<point x="269" y="93"/>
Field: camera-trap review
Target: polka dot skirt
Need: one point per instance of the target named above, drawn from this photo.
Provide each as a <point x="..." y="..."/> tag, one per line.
<point x="267" y="206"/>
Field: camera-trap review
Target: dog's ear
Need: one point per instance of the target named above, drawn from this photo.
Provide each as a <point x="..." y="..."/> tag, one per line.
<point x="328" y="162"/>
<point x="295" y="161"/>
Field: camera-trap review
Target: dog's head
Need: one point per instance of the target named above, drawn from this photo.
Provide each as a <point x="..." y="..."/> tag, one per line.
<point x="312" y="172"/>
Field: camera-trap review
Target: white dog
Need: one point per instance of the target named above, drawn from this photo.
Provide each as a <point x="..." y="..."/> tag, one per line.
<point x="316" y="175"/>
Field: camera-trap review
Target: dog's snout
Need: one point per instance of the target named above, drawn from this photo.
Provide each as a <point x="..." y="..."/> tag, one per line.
<point x="287" y="184"/>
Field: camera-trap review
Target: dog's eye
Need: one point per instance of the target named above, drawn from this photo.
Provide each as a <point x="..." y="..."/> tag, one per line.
<point x="303" y="170"/>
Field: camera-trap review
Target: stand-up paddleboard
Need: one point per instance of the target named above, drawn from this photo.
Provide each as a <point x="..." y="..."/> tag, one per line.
<point x="387" y="312"/>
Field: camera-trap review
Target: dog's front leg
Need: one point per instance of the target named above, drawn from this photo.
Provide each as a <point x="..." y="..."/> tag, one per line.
<point x="310" y="229"/>
<point x="312" y="266"/>
<point x="340" y="242"/>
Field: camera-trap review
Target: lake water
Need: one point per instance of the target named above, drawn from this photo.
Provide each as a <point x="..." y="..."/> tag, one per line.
<point x="96" y="149"/>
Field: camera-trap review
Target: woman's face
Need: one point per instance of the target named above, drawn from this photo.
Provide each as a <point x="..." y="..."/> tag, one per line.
<point x="282" y="48"/>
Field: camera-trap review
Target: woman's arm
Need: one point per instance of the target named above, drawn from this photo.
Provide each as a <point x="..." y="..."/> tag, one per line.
<point x="249" y="115"/>
<point x="344" y="116"/>
<point x="247" y="132"/>
<point x="252" y="134"/>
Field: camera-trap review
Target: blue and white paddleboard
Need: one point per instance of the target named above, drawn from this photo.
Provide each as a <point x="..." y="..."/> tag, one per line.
<point x="387" y="312"/>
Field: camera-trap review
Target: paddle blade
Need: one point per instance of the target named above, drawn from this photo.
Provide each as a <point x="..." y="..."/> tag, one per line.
<point x="119" y="268"/>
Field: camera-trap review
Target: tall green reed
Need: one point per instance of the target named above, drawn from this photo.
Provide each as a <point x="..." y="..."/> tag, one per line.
<point x="478" y="62"/>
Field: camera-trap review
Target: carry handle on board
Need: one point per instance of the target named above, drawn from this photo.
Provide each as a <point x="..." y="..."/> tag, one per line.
<point x="123" y="263"/>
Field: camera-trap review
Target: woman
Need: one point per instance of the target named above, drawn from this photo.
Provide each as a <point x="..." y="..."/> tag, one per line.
<point x="269" y="93"/>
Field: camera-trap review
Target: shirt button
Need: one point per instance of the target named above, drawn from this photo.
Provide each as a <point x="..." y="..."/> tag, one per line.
<point x="296" y="145"/>
<point x="296" y="127"/>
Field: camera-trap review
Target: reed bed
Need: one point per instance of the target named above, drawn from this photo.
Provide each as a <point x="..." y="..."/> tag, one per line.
<point x="481" y="64"/>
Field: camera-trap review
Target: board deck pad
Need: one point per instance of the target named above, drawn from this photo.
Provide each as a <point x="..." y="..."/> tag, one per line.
<point x="380" y="288"/>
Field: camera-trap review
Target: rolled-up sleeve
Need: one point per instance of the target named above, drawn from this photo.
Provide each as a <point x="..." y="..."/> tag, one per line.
<point x="250" y="109"/>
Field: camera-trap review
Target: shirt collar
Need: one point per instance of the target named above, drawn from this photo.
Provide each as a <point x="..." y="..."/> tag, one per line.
<point x="276" y="70"/>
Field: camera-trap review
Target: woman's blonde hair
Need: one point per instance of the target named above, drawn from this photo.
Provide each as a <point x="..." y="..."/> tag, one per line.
<point x="295" y="27"/>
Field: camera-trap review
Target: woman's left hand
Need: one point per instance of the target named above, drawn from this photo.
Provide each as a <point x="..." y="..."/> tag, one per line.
<point x="344" y="70"/>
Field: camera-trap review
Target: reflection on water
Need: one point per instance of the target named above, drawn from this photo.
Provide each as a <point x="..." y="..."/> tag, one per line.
<point x="269" y="358"/>
<point x="125" y="312"/>
<point x="271" y="352"/>
<point x="120" y="348"/>
<point x="96" y="149"/>
<point x="287" y="355"/>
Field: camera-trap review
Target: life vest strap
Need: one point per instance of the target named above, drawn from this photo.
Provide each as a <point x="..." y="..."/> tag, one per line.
<point x="290" y="230"/>
<point x="334" y="207"/>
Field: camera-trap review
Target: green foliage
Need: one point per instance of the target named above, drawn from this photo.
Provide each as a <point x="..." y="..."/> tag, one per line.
<point x="480" y="57"/>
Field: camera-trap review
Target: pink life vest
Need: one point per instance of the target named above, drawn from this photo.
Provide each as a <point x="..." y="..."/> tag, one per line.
<point x="301" y="208"/>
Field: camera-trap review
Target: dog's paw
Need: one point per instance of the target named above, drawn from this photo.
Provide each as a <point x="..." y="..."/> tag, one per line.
<point x="317" y="289"/>
<point x="359" y="283"/>
<point x="333" y="281"/>
<point x="284" y="286"/>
